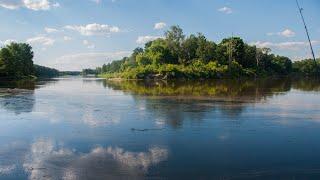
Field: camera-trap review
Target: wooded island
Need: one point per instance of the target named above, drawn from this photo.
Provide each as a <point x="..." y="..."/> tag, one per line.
<point x="191" y="57"/>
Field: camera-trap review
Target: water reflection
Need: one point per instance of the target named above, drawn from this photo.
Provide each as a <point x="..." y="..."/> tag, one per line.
<point x="47" y="159"/>
<point x="77" y="129"/>
<point x="307" y="84"/>
<point x="175" y="102"/>
<point x="18" y="102"/>
<point x="18" y="96"/>
<point x="224" y="90"/>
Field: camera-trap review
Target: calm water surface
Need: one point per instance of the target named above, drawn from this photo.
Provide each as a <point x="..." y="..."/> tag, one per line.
<point x="78" y="128"/>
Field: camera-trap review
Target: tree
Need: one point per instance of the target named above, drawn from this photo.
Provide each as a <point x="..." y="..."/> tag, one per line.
<point x="206" y="49"/>
<point x="17" y="60"/>
<point x="41" y="71"/>
<point x="198" y="47"/>
<point x="250" y="58"/>
<point x="189" y="49"/>
<point x="159" y="52"/>
<point x="235" y="49"/>
<point x="143" y="60"/>
<point x="281" y="65"/>
<point x="175" y="38"/>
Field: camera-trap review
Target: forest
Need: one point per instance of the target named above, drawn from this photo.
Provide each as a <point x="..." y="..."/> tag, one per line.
<point x="16" y="62"/>
<point x="190" y="57"/>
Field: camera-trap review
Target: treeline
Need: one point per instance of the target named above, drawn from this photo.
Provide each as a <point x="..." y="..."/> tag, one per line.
<point x="86" y="72"/>
<point x="306" y="67"/>
<point x="42" y="71"/>
<point x="179" y="56"/>
<point x="69" y="73"/>
<point x="16" y="62"/>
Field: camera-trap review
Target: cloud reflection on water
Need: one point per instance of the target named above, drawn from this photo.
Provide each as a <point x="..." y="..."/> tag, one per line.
<point x="47" y="160"/>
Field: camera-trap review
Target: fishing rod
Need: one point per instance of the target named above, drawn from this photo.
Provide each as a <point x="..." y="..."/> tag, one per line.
<point x="305" y="27"/>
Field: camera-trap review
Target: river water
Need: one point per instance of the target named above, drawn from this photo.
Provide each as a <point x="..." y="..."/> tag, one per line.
<point x="77" y="128"/>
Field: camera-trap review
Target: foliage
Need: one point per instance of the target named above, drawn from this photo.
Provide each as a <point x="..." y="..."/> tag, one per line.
<point x="69" y="73"/>
<point x="41" y="71"/>
<point x="179" y="56"/>
<point x="16" y="60"/>
<point x="89" y="72"/>
<point x="306" y="67"/>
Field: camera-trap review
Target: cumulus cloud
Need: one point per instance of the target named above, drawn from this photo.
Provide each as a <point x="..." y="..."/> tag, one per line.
<point x="67" y="38"/>
<point x="145" y="39"/>
<point x="160" y="25"/>
<point x="46" y="159"/>
<point x="35" y="5"/>
<point x="94" y="29"/>
<point x="51" y="30"/>
<point x="87" y="60"/>
<point x="41" y="40"/>
<point x="285" y="33"/>
<point x="225" y="10"/>
<point x="88" y="44"/>
<point x="292" y="45"/>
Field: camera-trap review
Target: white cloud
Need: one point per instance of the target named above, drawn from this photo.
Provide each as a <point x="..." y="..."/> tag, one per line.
<point x="96" y="1"/>
<point x="51" y="30"/>
<point x="56" y="5"/>
<point x="67" y="38"/>
<point x="87" y="60"/>
<point x="284" y="33"/>
<point x="8" y="41"/>
<point x="291" y="45"/>
<point x="160" y="25"/>
<point x="41" y="40"/>
<point x="145" y="39"/>
<point x="270" y="34"/>
<point x="88" y="44"/>
<point x="94" y="29"/>
<point x="225" y="10"/>
<point x="287" y="33"/>
<point x="10" y="4"/>
<point x="85" y="42"/>
<point x="35" y="5"/>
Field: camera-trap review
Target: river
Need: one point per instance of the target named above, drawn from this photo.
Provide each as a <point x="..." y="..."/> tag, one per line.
<point x="87" y="128"/>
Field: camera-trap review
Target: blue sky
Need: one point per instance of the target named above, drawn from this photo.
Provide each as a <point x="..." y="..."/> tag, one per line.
<point x="71" y="35"/>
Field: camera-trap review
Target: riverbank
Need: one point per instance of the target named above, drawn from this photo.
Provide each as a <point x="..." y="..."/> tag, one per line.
<point x="12" y="78"/>
<point x="180" y="72"/>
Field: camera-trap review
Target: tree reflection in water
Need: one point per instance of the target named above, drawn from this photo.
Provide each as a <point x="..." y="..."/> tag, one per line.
<point x="176" y="101"/>
<point x="18" y="96"/>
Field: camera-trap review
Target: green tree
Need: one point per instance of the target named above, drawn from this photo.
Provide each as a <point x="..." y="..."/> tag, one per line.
<point x="206" y="50"/>
<point x="143" y="60"/>
<point x="18" y="59"/>
<point x="281" y="65"/>
<point x="234" y="47"/>
<point x="175" y="38"/>
<point x="159" y="52"/>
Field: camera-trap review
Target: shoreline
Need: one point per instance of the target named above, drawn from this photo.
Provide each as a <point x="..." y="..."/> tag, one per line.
<point x="294" y="76"/>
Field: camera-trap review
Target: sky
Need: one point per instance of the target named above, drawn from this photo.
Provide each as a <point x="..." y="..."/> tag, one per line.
<point x="77" y="34"/>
